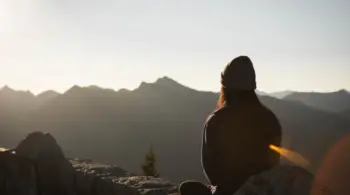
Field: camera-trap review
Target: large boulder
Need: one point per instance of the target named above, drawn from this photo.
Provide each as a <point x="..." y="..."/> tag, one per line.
<point x="40" y="146"/>
<point x="38" y="166"/>
<point x="54" y="172"/>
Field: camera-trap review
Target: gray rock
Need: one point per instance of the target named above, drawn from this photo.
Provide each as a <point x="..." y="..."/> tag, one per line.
<point x="143" y="182"/>
<point x="282" y="180"/>
<point x="53" y="171"/>
<point x="38" y="145"/>
<point x="97" y="179"/>
<point x="39" y="168"/>
<point x="90" y="172"/>
<point x="99" y="169"/>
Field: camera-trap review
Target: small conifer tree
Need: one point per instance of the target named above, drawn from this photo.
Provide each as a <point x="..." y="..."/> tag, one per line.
<point x="149" y="166"/>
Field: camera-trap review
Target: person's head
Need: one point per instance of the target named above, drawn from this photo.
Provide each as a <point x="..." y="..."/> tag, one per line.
<point x="237" y="78"/>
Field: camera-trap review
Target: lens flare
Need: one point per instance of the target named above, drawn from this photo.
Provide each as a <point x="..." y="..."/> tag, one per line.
<point x="3" y="149"/>
<point x="292" y="156"/>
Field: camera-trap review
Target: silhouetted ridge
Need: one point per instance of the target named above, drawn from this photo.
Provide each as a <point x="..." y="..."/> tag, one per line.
<point x="344" y="92"/>
<point x="48" y="93"/>
<point x="167" y="82"/>
<point x="89" y="90"/>
<point x="98" y="89"/>
<point x="164" y="82"/>
<point x="6" y="89"/>
<point x="258" y="92"/>
<point x="123" y="91"/>
<point x="47" y="96"/>
<point x="281" y="94"/>
<point x="11" y="92"/>
<point x="15" y="103"/>
<point x="333" y="102"/>
<point x="73" y="89"/>
<point x="165" y="86"/>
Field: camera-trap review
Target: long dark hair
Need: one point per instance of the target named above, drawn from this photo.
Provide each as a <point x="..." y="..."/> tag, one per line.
<point x="227" y="96"/>
<point x="222" y="99"/>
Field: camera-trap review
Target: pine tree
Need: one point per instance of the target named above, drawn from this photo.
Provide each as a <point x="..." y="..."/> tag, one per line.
<point x="149" y="167"/>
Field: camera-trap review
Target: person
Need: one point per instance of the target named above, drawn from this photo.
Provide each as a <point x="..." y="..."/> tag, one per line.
<point x="237" y="136"/>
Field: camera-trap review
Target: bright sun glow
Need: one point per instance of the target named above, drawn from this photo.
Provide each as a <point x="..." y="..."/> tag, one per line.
<point x="5" y="14"/>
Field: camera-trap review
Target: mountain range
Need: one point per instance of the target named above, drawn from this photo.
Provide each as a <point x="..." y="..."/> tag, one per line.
<point x="118" y="127"/>
<point x="332" y="102"/>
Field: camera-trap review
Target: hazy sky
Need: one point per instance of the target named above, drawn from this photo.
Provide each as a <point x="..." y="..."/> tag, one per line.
<point x="54" y="44"/>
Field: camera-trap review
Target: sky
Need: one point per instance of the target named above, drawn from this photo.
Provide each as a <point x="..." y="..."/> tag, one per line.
<point x="55" y="44"/>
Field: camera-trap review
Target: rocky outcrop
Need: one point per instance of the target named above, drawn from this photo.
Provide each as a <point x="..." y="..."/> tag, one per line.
<point x="54" y="173"/>
<point x="94" y="178"/>
<point x="38" y="167"/>
<point x="148" y="185"/>
<point x="127" y="183"/>
<point x="40" y="146"/>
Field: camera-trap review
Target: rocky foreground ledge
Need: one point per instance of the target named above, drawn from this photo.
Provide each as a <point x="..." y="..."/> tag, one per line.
<point x="37" y="166"/>
<point x="117" y="180"/>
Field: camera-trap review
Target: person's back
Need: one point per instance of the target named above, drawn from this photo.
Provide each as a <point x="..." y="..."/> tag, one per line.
<point x="237" y="135"/>
<point x="236" y="142"/>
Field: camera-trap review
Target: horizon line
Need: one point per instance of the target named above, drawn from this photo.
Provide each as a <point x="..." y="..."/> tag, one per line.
<point x="157" y="80"/>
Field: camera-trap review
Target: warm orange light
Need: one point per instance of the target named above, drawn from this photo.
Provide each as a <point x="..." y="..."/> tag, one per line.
<point x="292" y="156"/>
<point x="3" y="149"/>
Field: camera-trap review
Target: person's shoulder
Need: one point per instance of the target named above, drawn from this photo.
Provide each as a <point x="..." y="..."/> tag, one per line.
<point x="217" y="115"/>
<point x="270" y="116"/>
<point x="268" y="111"/>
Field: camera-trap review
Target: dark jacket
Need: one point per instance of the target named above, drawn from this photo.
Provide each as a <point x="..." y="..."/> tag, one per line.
<point x="236" y="143"/>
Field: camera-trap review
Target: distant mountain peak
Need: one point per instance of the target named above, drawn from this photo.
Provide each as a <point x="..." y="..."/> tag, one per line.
<point x="166" y="81"/>
<point x="170" y="83"/>
<point x="47" y="95"/>
<point x="164" y="84"/>
<point x="9" y="91"/>
<point x="76" y="87"/>
<point x="335" y="101"/>
<point x="281" y="94"/>
<point x="123" y="90"/>
<point x="337" y="92"/>
<point x="165" y="78"/>
<point x="7" y="88"/>
<point x="73" y="89"/>
<point x="343" y="91"/>
<point x="88" y="91"/>
<point x="94" y="87"/>
<point x="163" y="81"/>
<point x="48" y="92"/>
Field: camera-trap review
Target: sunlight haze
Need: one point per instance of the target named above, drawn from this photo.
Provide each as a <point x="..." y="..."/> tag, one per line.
<point x="55" y="44"/>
